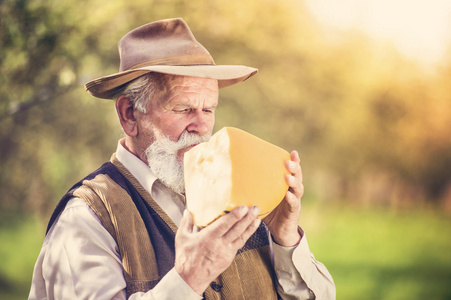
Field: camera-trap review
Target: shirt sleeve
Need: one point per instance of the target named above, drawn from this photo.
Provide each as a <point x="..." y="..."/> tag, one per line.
<point x="299" y="274"/>
<point x="82" y="259"/>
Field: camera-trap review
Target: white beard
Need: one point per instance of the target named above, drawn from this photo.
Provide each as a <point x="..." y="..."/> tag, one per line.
<point x="162" y="159"/>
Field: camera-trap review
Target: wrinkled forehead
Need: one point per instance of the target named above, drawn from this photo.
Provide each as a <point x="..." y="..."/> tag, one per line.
<point x="191" y="91"/>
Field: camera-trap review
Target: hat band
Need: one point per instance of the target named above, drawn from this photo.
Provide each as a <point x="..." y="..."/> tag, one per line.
<point x="176" y="60"/>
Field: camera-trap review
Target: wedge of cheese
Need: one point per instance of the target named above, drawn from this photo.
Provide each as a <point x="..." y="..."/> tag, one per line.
<point x="234" y="168"/>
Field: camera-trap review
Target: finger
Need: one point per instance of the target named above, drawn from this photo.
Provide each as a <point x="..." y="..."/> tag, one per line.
<point x="187" y="223"/>
<point x="295" y="156"/>
<point x="241" y="240"/>
<point x="297" y="190"/>
<point x="222" y="225"/>
<point x="293" y="181"/>
<point x="293" y="167"/>
<point x="292" y="200"/>
<point x="241" y="228"/>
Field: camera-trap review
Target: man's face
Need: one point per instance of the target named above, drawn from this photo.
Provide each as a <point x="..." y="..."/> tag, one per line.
<point x="177" y="119"/>
<point x="188" y="105"/>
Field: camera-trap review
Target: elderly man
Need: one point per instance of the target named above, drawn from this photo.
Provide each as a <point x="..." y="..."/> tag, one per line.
<point x="123" y="231"/>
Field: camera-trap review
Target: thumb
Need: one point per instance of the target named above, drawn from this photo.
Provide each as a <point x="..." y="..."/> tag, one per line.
<point x="185" y="229"/>
<point x="187" y="223"/>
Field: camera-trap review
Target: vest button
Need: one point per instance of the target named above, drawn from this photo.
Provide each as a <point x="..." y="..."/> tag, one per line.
<point x="216" y="287"/>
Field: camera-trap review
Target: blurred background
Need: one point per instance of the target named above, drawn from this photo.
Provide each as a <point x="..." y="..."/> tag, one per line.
<point x="361" y="88"/>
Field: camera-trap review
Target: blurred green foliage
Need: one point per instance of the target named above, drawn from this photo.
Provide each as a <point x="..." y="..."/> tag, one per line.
<point x="369" y="124"/>
<point x="372" y="127"/>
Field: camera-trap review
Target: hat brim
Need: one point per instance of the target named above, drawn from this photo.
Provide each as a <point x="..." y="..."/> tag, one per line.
<point x="108" y="87"/>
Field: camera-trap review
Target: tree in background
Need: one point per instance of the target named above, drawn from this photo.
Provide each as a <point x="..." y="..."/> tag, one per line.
<point x="370" y="125"/>
<point x="48" y="131"/>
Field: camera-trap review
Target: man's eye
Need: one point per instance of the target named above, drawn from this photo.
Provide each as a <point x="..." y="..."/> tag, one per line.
<point x="185" y="110"/>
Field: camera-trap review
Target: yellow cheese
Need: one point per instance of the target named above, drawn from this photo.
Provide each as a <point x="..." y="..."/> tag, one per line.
<point x="234" y="168"/>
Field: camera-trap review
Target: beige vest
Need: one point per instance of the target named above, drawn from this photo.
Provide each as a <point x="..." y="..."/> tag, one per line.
<point x="250" y="276"/>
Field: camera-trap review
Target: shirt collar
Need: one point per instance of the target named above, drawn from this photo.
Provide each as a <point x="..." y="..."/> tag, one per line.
<point x="172" y="203"/>
<point x="135" y="166"/>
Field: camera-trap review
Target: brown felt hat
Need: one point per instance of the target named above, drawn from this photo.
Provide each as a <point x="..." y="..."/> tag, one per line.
<point x="169" y="47"/>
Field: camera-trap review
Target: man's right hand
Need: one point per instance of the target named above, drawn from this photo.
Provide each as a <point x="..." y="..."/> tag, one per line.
<point x="202" y="256"/>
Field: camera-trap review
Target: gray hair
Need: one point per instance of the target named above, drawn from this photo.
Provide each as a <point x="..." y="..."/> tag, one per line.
<point x="142" y="90"/>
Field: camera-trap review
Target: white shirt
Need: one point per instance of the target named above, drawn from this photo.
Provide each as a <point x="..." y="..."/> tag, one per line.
<point x="80" y="260"/>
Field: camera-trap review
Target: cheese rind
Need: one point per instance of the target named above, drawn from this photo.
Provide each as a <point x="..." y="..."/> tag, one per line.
<point x="234" y="168"/>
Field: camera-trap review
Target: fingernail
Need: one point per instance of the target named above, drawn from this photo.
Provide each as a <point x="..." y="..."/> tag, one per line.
<point x="257" y="222"/>
<point x="187" y="214"/>
<point x="242" y="210"/>
<point x="255" y="210"/>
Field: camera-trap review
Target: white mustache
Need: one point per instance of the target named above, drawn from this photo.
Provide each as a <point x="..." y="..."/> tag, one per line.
<point x="186" y="139"/>
<point x="162" y="156"/>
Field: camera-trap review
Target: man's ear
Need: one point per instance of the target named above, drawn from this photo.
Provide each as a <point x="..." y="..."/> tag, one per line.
<point x="125" y="111"/>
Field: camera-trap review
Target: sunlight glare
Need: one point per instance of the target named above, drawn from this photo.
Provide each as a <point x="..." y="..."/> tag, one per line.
<point x="420" y="29"/>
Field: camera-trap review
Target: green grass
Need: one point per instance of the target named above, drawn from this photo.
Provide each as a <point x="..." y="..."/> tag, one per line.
<point x="20" y="242"/>
<point x="379" y="254"/>
<point x="371" y="253"/>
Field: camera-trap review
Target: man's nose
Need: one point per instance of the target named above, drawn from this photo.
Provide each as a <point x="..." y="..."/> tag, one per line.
<point x="200" y="122"/>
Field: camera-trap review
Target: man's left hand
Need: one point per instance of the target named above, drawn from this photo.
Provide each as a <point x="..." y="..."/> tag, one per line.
<point x="283" y="221"/>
